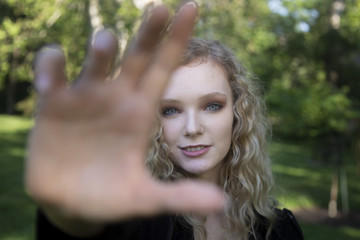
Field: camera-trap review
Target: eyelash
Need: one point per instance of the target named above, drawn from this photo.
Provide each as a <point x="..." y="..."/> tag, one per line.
<point x="211" y="107"/>
<point x="218" y="107"/>
<point x="166" y="111"/>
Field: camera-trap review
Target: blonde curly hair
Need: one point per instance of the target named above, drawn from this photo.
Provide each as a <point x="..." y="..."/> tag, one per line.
<point x="246" y="175"/>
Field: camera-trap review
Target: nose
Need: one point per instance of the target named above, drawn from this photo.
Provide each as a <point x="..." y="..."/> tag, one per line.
<point x="193" y="126"/>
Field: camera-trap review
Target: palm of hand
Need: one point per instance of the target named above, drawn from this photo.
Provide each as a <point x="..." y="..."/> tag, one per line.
<point x="89" y="148"/>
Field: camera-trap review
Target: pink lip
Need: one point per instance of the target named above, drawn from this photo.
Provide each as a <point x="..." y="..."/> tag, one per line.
<point x="195" y="153"/>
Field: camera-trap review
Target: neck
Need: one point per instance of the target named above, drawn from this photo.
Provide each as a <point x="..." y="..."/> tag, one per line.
<point x="216" y="228"/>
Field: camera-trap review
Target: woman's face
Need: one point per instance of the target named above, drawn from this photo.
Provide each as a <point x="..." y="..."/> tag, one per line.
<point x="197" y="118"/>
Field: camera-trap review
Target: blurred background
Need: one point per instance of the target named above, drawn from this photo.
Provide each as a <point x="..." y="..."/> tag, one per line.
<point x="306" y="53"/>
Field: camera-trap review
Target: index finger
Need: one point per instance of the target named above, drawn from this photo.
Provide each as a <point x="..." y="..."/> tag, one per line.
<point x="102" y="53"/>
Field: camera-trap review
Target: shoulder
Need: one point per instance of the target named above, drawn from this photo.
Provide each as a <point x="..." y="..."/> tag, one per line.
<point x="286" y="226"/>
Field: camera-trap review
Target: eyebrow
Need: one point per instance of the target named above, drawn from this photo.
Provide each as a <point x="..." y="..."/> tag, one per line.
<point x="169" y="101"/>
<point x="213" y="95"/>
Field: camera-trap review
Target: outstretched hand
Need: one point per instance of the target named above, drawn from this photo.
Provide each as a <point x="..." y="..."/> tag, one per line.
<point x="86" y="152"/>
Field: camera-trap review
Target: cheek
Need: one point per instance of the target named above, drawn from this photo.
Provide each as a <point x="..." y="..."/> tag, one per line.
<point x="170" y="132"/>
<point x="225" y="122"/>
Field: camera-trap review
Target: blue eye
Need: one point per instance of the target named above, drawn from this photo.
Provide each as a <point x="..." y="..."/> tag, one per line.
<point x="169" y="111"/>
<point x="213" y="107"/>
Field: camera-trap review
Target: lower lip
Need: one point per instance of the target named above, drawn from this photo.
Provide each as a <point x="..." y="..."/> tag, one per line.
<point x="195" y="153"/>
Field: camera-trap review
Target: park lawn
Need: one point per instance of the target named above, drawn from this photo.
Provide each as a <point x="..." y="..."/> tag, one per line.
<point x="17" y="211"/>
<point x="300" y="184"/>
<point x="305" y="183"/>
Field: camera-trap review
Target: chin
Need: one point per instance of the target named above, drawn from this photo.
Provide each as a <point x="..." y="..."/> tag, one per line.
<point x="194" y="170"/>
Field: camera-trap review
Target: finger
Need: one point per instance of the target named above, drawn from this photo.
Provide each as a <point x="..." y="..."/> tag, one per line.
<point x="170" y="53"/>
<point x="101" y="56"/>
<point x="140" y="53"/>
<point x="49" y="70"/>
<point x="188" y="196"/>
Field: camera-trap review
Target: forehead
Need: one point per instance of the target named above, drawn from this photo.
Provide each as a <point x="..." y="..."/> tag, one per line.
<point x="198" y="77"/>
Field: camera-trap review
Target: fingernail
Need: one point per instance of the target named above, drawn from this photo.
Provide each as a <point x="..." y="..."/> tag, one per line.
<point x="103" y="40"/>
<point x="193" y="4"/>
<point x="52" y="49"/>
<point x="189" y="4"/>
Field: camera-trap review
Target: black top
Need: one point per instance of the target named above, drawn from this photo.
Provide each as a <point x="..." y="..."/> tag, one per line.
<point x="164" y="228"/>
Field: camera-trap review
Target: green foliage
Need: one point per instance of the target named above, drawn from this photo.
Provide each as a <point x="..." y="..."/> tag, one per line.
<point x="242" y="25"/>
<point x="308" y="107"/>
<point x="120" y="16"/>
<point x="27" y="106"/>
<point x="28" y="25"/>
<point x="312" y="91"/>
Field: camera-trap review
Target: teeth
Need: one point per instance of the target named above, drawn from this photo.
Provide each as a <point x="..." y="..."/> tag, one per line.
<point x="193" y="149"/>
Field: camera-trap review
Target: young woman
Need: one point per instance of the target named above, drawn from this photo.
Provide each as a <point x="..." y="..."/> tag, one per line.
<point x="213" y="128"/>
<point x="86" y="153"/>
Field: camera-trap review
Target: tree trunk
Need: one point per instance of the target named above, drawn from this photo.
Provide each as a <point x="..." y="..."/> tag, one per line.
<point x="10" y="99"/>
<point x="11" y="87"/>
<point x="332" y="210"/>
<point x="95" y="17"/>
<point x="337" y="8"/>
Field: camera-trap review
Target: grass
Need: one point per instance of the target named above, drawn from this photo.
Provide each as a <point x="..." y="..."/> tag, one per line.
<point x="319" y="232"/>
<point x="16" y="209"/>
<point x="301" y="185"/>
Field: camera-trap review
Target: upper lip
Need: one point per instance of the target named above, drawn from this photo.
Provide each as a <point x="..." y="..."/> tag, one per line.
<point x="194" y="146"/>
